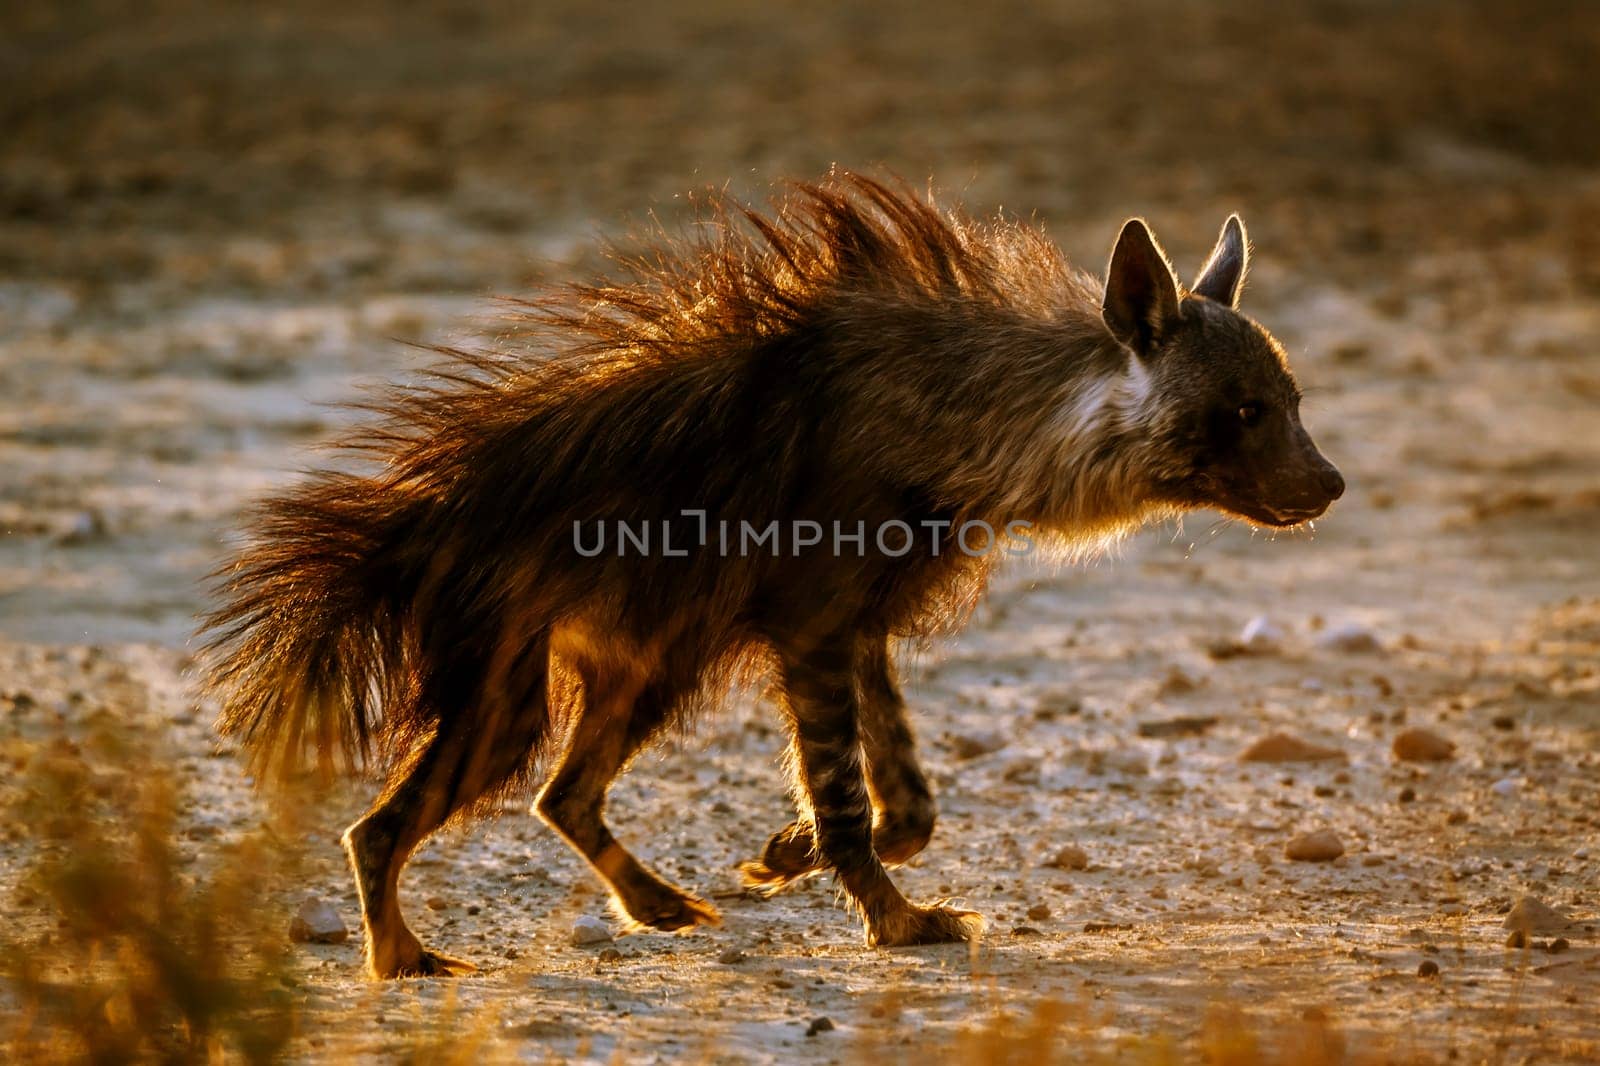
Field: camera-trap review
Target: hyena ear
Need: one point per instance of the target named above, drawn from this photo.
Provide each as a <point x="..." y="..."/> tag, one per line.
<point x="1222" y="278"/>
<point x="1141" y="300"/>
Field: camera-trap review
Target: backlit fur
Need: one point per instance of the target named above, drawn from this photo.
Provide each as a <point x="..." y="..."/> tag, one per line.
<point x="856" y="355"/>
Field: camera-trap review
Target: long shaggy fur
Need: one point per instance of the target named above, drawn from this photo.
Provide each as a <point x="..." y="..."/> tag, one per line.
<point x="857" y="360"/>
<point x="368" y="605"/>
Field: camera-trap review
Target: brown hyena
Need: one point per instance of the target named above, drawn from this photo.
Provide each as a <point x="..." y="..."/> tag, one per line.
<point x="550" y="557"/>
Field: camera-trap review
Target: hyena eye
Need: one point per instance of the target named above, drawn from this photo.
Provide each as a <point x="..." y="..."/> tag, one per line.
<point x="1250" y="413"/>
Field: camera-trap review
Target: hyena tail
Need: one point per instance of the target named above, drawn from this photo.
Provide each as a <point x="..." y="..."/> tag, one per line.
<point x="308" y="641"/>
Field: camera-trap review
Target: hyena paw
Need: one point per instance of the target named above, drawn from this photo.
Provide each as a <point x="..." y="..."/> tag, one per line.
<point x="670" y="910"/>
<point x="764" y="879"/>
<point x="933" y="924"/>
<point x="790" y="855"/>
<point x="425" y="964"/>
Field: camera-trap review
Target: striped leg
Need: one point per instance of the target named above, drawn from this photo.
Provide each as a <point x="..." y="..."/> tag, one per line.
<point x="616" y="721"/>
<point x="902" y="803"/>
<point x="824" y="712"/>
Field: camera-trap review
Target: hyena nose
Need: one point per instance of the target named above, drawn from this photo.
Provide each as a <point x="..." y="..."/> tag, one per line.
<point x="1332" y="483"/>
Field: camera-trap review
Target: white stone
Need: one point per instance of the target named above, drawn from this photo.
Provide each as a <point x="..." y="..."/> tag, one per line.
<point x="1349" y="637"/>
<point x="590" y="930"/>
<point x="1261" y="634"/>
<point x="317" y="922"/>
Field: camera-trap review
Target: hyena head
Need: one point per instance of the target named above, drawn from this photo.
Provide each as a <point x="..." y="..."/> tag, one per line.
<point x="1223" y="411"/>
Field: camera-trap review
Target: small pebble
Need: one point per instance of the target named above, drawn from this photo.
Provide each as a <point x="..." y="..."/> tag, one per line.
<point x="974" y="745"/>
<point x="1349" y="637"/>
<point x="1422" y="745"/>
<point x="1130" y="761"/>
<point x="1503" y="722"/>
<point x="1408" y="794"/>
<point x="1323" y="845"/>
<point x="1428" y="968"/>
<point x="437" y="903"/>
<point x="1558" y="945"/>
<point x="610" y="955"/>
<point x="1281" y="747"/>
<point x="731" y="957"/>
<point x="1185" y="725"/>
<point x="1176" y="683"/>
<point x="1261" y="635"/>
<point x="317" y="922"/>
<point x="1039" y="912"/>
<point x="86" y="526"/>
<point x="1506" y="786"/>
<point x="1069" y="857"/>
<point x="1534" y="916"/>
<point x="820" y="1025"/>
<point x="590" y="930"/>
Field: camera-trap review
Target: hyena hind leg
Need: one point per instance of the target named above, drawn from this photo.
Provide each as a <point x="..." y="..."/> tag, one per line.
<point x="470" y="756"/>
<point x="615" y="722"/>
<point x="903" y="807"/>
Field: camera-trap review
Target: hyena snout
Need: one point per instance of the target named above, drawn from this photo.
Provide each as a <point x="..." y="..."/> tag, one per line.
<point x="1311" y="488"/>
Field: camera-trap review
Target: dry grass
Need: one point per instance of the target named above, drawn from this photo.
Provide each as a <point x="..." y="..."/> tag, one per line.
<point x="1053" y="1032"/>
<point x="149" y="957"/>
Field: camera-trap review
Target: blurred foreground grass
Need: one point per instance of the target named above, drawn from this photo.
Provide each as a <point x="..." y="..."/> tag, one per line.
<point x="149" y="958"/>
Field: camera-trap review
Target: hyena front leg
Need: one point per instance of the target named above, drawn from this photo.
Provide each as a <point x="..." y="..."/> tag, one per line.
<point x="824" y="709"/>
<point x="902" y="803"/>
<point x="616" y="720"/>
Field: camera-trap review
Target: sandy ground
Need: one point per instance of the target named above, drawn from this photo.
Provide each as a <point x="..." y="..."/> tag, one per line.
<point x="214" y="224"/>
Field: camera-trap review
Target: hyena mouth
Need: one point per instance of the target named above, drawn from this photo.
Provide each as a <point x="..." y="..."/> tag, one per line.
<point x="1274" y="517"/>
<point x="1288" y="518"/>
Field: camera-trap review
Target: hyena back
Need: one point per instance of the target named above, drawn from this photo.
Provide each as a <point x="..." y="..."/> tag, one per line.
<point x="858" y="357"/>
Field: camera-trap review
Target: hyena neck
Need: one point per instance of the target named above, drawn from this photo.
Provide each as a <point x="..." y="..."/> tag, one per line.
<point x="1086" y="474"/>
<point x="1053" y="425"/>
